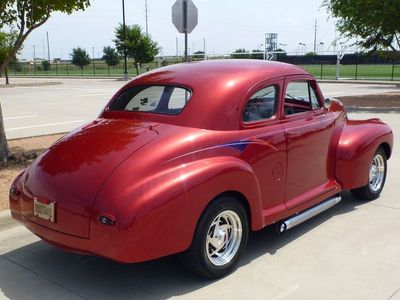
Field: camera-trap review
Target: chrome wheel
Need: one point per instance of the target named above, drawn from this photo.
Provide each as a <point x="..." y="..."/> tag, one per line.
<point x="223" y="238"/>
<point x="376" y="172"/>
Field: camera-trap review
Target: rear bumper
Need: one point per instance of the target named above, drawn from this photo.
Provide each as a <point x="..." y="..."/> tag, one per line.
<point x="71" y="243"/>
<point x="126" y="246"/>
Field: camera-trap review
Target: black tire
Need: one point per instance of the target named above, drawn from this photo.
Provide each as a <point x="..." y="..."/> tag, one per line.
<point x="196" y="258"/>
<point x="368" y="192"/>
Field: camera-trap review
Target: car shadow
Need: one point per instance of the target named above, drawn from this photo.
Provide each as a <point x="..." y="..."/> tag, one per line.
<point x="40" y="266"/>
<point x="268" y="241"/>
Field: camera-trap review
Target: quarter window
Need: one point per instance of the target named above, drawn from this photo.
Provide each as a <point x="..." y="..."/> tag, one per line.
<point x="261" y="105"/>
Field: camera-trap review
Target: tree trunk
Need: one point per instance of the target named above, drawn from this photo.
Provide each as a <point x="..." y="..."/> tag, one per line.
<point x="137" y="69"/>
<point x="3" y="140"/>
<point x="6" y="74"/>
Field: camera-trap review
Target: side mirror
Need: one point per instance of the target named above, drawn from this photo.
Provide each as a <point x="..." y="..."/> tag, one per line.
<point x="327" y="103"/>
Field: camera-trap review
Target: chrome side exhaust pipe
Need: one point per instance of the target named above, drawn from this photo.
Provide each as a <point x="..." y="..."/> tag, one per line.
<point x="307" y="214"/>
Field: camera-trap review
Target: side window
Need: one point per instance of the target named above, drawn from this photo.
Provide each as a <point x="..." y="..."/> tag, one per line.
<point x="300" y="97"/>
<point x="261" y="105"/>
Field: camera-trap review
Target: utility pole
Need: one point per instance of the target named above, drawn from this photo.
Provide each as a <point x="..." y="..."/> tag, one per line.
<point x="126" y="76"/>
<point x="147" y="24"/>
<point x="48" y="45"/>
<point x="315" y="36"/>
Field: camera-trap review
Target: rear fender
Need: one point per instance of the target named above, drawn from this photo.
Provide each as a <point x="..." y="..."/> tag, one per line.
<point x="358" y="142"/>
<point x="160" y="212"/>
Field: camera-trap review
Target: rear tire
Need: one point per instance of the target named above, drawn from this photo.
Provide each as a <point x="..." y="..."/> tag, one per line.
<point x="376" y="178"/>
<point x="219" y="240"/>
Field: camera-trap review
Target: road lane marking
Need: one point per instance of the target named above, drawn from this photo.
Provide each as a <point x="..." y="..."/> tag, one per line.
<point x="91" y="95"/>
<point x="44" y="125"/>
<point x="20" y="117"/>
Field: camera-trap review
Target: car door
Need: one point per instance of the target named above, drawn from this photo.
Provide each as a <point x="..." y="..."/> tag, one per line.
<point x="266" y="150"/>
<point x="308" y="128"/>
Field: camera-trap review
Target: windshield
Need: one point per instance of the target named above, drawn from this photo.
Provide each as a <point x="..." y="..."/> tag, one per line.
<point x="169" y="100"/>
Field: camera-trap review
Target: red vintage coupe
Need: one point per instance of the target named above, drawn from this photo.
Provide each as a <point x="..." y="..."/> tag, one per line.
<point x="189" y="158"/>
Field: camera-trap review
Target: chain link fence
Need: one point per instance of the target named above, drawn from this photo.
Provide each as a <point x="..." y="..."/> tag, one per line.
<point x="321" y="70"/>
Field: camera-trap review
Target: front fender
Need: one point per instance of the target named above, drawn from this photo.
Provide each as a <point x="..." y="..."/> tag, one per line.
<point x="357" y="145"/>
<point x="157" y="215"/>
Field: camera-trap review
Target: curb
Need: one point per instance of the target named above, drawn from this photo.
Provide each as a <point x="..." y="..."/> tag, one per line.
<point x="6" y="221"/>
<point x="74" y="77"/>
<point x="379" y="110"/>
<point x="31" y="84"/>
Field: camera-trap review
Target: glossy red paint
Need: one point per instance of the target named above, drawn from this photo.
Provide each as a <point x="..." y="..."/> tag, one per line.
<point x="155" y="174"/>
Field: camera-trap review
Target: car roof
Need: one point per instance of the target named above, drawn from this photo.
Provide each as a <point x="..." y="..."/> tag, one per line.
<point x="218" y="87"/>
<point x="196" y="74"/>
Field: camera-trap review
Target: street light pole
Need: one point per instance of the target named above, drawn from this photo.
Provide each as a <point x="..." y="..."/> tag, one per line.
<point x="94" y="67"/>
<point x="265" y="47"/>
<point x="34" y="59"/>
<point x="126" y="76"/>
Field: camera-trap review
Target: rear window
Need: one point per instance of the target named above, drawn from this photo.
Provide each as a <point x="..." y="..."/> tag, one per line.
<point x="168" y="100"/>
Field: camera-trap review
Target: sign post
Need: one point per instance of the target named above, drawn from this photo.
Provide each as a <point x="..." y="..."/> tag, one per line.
<point x="185" y="18"/>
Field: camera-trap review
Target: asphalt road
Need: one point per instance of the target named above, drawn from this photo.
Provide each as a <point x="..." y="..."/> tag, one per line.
<point x="38" y="110"/>
<point x="351" y="251"/>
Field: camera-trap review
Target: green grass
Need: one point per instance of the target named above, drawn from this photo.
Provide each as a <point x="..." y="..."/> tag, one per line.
<point x="360" y="72"/>
<point x="99" y="69"/>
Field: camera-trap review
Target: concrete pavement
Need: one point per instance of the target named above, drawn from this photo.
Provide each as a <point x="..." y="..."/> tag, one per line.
<point x="30" y="111"/>
<point x="351" y="251"/>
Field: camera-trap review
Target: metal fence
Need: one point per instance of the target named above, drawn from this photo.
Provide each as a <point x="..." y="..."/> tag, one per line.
<point x="384" y="72"/>
<point x="95" y="69"/>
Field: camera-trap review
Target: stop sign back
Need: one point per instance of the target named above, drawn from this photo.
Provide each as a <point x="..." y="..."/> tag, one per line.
<point x="178" y="16"/>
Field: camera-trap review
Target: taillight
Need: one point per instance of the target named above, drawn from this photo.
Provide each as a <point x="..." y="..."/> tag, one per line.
<point x="14" y="193"/>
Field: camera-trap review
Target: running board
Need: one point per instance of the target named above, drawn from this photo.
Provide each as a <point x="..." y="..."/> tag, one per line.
<point x="307" y="214"/>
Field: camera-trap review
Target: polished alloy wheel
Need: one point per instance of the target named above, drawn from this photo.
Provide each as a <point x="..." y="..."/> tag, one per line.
<point x="223" y="238"/>
<point x="376" y="172"/>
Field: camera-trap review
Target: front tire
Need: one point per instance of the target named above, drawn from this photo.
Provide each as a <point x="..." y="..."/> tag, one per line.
<point x="219" y="240"/>
<point x="376" y="178"/>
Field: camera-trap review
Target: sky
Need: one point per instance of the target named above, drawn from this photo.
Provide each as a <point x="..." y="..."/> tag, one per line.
<point x="225" y="25"/>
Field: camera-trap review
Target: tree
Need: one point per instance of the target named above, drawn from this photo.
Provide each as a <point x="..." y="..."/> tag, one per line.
<point x="257" y="54"/>
<point x="80" y="58"/>
<point x="110" y="56"/>
<point x="240" y="53"/>
<point x="7" y="40"/>
<point x="27" y="15"/>
<point x="46" y="65"/>
<point x="311" y="54"/>
<point x="375" y="23"/>
<point x="139" y="46"/>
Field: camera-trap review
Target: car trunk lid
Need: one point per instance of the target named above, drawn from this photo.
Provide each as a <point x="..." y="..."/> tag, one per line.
<point x="70" y="173"/>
